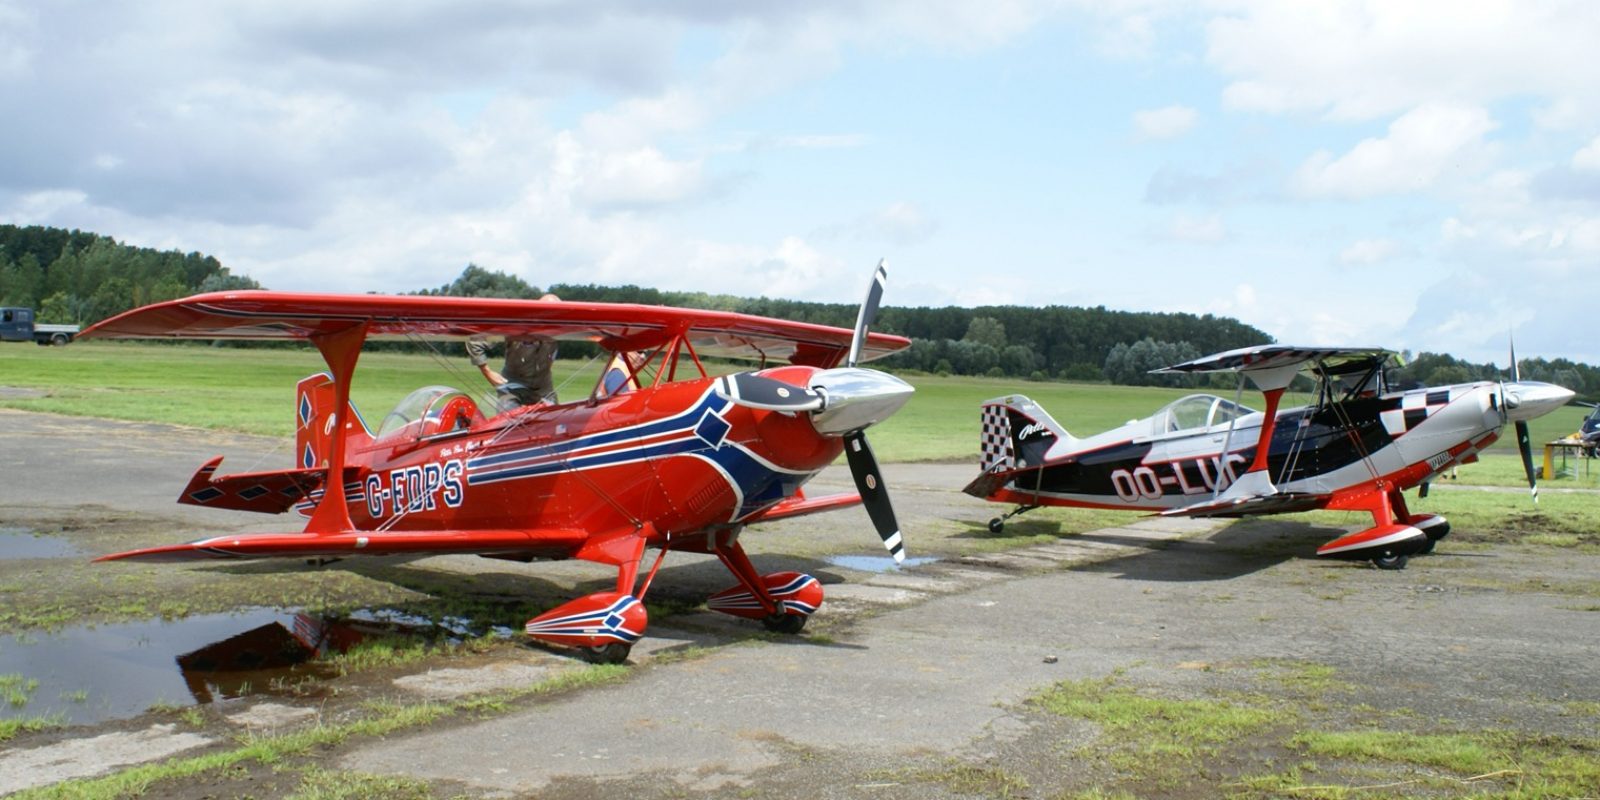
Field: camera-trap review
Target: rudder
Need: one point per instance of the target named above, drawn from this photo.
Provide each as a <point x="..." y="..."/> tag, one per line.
<point x="315" y="399"/>
<point x="1015" y="433"/>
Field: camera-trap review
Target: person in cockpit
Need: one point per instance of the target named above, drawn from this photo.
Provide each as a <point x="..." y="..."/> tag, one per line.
<point x="526" y="378"/>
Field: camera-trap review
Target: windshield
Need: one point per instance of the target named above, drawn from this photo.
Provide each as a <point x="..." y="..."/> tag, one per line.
<point x="1196" y="411"/>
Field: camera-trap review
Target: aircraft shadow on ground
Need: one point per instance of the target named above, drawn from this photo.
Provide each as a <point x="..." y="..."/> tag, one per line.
<point x="1243" y="548"/>
<point x="499" y="597"/>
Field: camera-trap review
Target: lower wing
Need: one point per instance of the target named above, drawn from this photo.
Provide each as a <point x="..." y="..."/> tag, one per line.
<point x="799" y="506"/>
<point x="555" y="542"/>
<point x="1251" y="505"/>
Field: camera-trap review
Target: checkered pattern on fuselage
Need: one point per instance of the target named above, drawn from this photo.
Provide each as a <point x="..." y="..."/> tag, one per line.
<point x="1414" y="407"/>
<point x="994" y="440"/>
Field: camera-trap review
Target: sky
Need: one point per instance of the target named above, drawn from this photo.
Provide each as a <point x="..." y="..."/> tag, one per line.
<point x="1415" y="175"/>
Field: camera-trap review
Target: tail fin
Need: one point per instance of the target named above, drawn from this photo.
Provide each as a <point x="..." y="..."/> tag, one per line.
<point x="1016" y="433"/>
<point x="315" y="396"/>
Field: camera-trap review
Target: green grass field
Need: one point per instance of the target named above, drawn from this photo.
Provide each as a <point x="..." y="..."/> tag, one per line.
<point x="252" y="391"/>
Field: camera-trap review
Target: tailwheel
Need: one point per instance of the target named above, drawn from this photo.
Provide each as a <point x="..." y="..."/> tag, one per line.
<point x="998" y="524"/>
<point x="785" y="623"/>
<point x="1390" y="560"/>
<point x="614" y="653"/>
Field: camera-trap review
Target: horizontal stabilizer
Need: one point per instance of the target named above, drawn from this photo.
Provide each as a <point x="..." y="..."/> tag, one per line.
<point x="265" y="492"/>
<point x="362" y="543"/>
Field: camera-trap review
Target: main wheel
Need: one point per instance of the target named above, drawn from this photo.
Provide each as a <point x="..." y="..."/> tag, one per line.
<point x="997" y="525"/>
<point x="614" y="653"/>
<point x="59" y="340"/>
<point x="785" y="623"/>
<point x="1426" y="548"/>
<point x="1389" y="561"/>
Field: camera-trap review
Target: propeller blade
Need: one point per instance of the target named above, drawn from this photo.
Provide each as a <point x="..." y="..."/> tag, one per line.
<point x="1516" y="374"/>
<point x="874" y="495"/>
<point x="868" y="312"/>
<point x="1525" y="446"/>
<point x="758" y="391"/>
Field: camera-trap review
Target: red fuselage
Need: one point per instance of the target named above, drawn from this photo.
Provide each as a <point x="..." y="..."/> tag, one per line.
<point x="677" y="456"/>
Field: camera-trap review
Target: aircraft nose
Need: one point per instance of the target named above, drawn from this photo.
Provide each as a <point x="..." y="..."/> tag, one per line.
<point x="1526" y="400"/>
<point x="856" y="398"/>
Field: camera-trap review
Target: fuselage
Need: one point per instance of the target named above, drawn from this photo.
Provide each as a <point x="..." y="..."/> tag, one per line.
<point x="1171" y="459"/>
<point x="678" y="456"/>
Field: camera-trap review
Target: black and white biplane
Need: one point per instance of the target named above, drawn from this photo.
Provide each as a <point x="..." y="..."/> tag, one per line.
<point x="1357" y="447"/>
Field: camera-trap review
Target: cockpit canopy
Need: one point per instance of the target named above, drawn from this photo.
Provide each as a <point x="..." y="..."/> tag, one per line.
<point x="1194" y="412"/>
<point x="428" y="411"/>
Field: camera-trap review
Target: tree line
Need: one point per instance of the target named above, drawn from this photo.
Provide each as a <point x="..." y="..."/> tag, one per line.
<point x="79" y="277"/>
<point x="1054" y="342"/>
<point x="76" y="277"/>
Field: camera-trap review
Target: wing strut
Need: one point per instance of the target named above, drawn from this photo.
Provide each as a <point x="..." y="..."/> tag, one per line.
<point x="1272" y="381"/>
<point x="340" y="349"/>
<point x="1269" y="422"/>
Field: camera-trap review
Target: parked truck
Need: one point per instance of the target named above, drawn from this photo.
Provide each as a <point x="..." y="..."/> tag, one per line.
<point x="17" y="325"/>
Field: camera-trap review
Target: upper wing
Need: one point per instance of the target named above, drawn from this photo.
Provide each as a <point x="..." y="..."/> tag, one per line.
<point x="1271" y="356"/>
<point x="288" y="315"/>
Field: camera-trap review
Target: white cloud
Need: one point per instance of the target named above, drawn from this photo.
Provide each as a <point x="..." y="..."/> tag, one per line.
<point x="1360" y="60"/>
<point x="900" y="223"/>
<point x="1421" y="147"/>
<point x="1168" y="122"/>
<point x="1190" y="229"/>
<point x="1588" y="158"/>
<point x="1365" y="252"/>
<point x="356" y="146"/>
<point x="640" y="176"/>
<point x="821" y="141"/>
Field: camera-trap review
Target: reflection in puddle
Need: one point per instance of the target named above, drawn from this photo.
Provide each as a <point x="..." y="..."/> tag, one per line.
<point x="113" y="671"/>
<point x="18" y="543"/>
<point x="877" y="563"/>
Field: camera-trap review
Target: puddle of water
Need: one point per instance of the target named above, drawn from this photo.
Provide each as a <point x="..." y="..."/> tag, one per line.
<point x="87" y="675"/>
<point x="19" y="543"/>
<point x="877" y="563"/>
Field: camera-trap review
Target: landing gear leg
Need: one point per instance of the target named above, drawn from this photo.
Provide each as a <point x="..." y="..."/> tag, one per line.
<point x="998" y="524"/>
<point x="734" y="558"/>
<point x="782" y="601"/>
<point x="1392" y="537"/>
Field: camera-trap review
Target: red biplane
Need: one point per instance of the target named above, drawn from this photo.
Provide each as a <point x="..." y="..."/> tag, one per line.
<point x="1356" y="448"/>
<point x="675" y="459"/>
